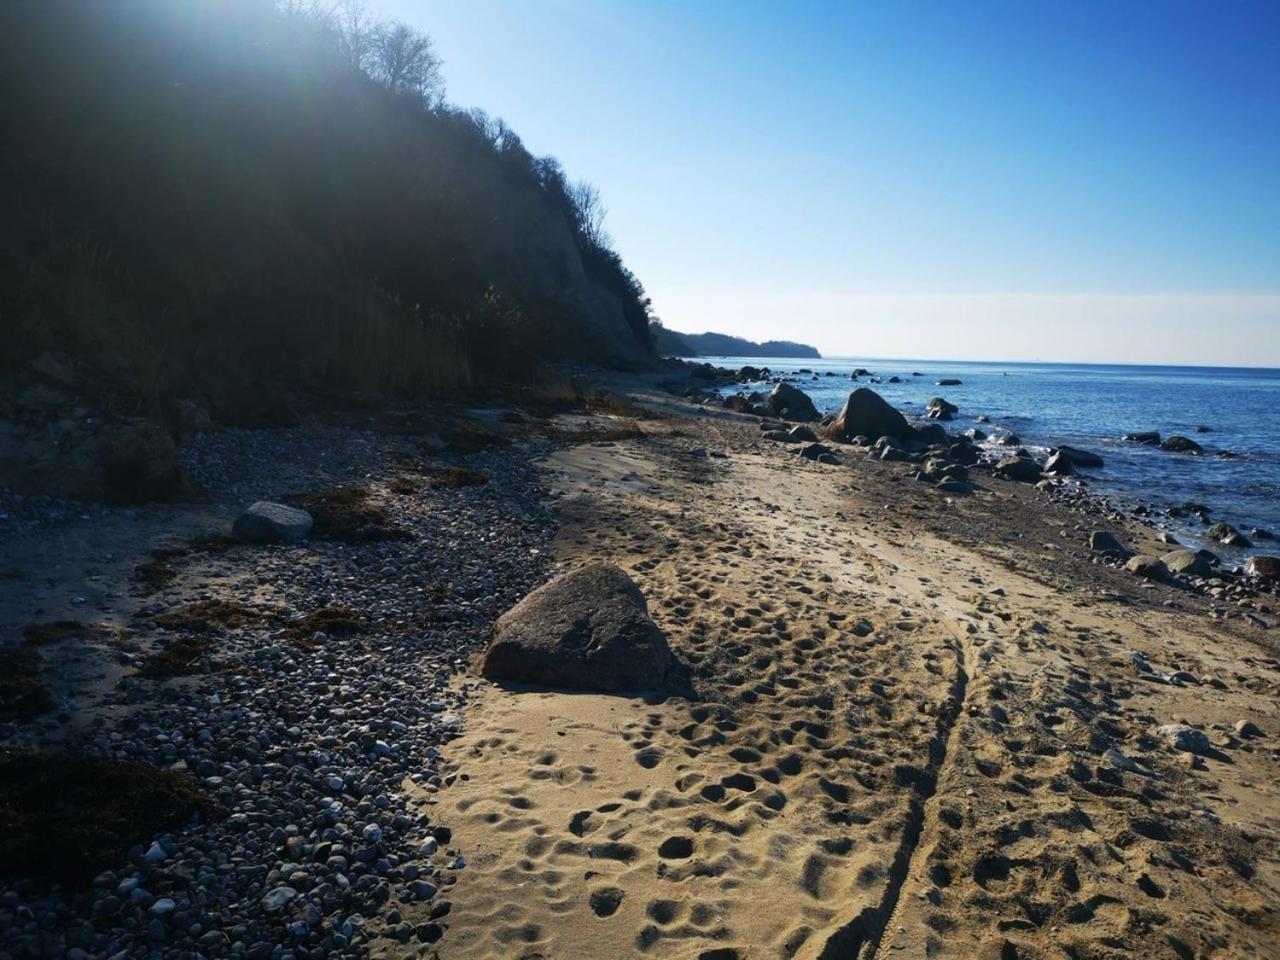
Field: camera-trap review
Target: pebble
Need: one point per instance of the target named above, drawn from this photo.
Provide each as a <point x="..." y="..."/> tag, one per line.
<point x="306" y="749"/>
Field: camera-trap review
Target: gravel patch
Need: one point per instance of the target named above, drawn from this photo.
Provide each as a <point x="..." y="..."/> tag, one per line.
<point x="306" y="739"/>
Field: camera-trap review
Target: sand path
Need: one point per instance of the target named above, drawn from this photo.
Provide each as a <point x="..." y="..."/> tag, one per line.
<point x="899" y="746"/>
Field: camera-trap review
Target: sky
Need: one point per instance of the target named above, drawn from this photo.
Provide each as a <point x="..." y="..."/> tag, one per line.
<point x="1078" y="181"/>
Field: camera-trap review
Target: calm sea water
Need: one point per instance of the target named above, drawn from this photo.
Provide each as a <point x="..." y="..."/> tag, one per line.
<point x="1093" y="407"/>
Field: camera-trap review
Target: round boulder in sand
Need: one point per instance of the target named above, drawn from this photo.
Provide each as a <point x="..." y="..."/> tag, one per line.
<point x="588" y="629"/>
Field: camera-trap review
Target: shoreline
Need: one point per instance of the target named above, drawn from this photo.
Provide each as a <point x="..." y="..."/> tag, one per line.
<point x="761" y="568"/>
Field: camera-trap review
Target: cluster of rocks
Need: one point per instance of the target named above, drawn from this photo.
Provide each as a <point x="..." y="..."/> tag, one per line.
<point x="306" y="742"/>
<point x="1175" y="443"/>
<point x="868" y="421"/>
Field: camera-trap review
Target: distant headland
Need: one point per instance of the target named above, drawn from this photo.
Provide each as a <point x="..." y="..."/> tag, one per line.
<point x="669" y="343"/>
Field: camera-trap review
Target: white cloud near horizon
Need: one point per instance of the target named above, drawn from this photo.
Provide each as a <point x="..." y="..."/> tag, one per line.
<point x="1213" y="329"/>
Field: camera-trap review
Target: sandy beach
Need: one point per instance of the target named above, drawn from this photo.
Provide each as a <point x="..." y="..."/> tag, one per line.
<point x="924" y="724"/>
<point x="919" y="731"/>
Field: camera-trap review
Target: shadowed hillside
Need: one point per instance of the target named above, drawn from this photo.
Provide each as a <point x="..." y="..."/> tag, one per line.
<point x="227" y="200"/>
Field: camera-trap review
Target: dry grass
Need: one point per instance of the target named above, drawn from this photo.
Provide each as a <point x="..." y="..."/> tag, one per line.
<point x="347" y="514"/>
<point x="65" y="818"/>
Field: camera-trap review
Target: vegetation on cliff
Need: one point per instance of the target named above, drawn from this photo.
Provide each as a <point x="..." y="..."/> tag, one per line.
<point x="230" y="198"/>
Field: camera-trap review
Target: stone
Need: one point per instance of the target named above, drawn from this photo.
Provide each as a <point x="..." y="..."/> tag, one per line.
<point x="1226" y="534"/>
<point x="1060" y="465"/>
<point x="1150" y="437"/>
<point x="1080" y="458"/>
<point x="267" y="522"/>
<point x="868" y="413"/>
<point x="1185" y="738"/>
<point x="588" y="629"/>
<point x="1247" y="729"/>
<point x="1189" y="563"/>
<point x="802" y="434"/>
<point x="792" y="403"/>
<point x="1263" y="567"/>
<point x="1178" y="444"/>
<point x="1149" y="568"/>
<point x="940" y="409"/>
<point x="1022" y="469"/>
<point x="947" y="382"/>
<point x="815" y="451"/>
<point x="933" y="433"/>
<point x="1106" y="543"/>
<point x="974" y="434"/>
<point x="277" y="899"/>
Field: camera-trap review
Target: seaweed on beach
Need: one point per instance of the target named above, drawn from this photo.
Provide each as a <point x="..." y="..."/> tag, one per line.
<point x="205" y="615"/>
<point x="331" y="621"/>
<point x="176" y="658"/>
<point x="65" y="817"/>
<point x="347" y="514"/>
<point x="442" y="477"/>
<point x="157" y="573"/>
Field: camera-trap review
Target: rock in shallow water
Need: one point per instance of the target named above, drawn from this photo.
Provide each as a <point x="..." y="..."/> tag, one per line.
<point x="1267" y="568"/>
<point x="869" y="414"/>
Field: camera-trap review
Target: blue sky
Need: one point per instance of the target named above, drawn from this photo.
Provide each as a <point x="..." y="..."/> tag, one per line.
<point x="1068" y="181"/>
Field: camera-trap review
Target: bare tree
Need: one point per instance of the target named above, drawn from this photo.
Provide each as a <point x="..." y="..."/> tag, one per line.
<point x="589" y="212"/>
<point x="355" y="31"/>
<point x="405" y="61"/>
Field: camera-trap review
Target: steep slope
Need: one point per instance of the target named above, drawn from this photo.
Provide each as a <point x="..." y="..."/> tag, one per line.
<point x="206" y="198"/>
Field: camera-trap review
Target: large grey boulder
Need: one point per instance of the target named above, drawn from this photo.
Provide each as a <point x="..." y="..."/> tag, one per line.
<point x="1263" y="567"/>
<point x="1149" y="568"/>
<point x="1022" y="469"/>
<point x="1078" y="457"/>
<point x="267" y="522"/>
<point x="1060" y="465"/>
<point x="869" y="414"/>
<point x="1181" y="445"/>
<point x="588" y="629"/>
<point x="940" y="409"/>
<point x="1190" y="563"/>
<point x="787" y="401"/>
<point x="1107" y="544"/>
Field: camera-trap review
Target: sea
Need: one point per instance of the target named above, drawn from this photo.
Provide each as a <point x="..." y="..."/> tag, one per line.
<point x="1224" y="409"/>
